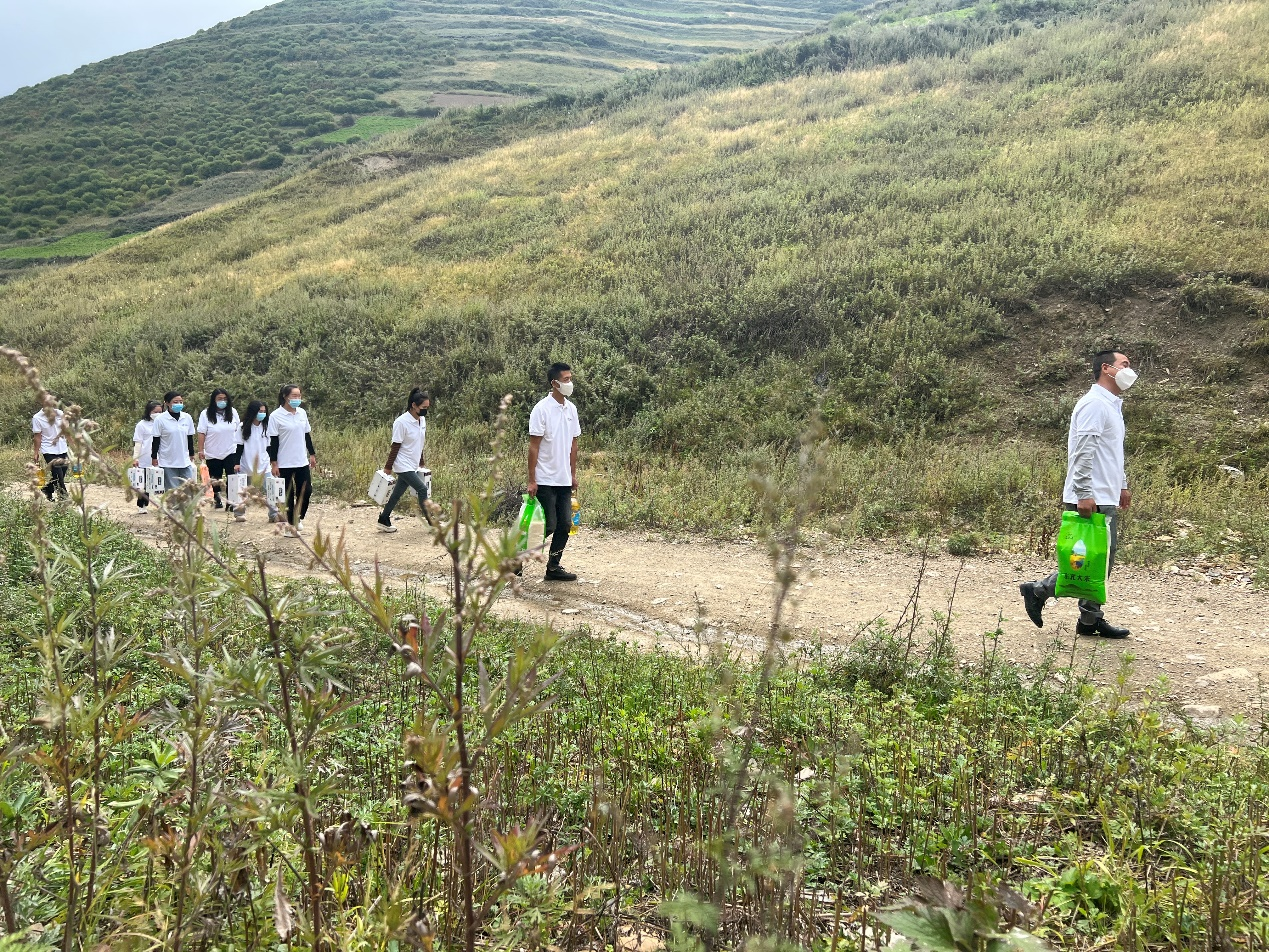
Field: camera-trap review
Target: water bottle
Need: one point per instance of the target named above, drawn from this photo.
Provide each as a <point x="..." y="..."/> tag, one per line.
<point x="577" y="517"/>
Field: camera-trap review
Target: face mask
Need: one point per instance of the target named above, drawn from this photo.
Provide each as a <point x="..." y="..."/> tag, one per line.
<point x="1125" y="378"/>
<point x="566" y="388"/>
<point x="177" y="408"/>
<point x="294" y="402"/>
<point x="260" y="416"/>
<point x="156" y="414"/>
<point x="221" y="404"/>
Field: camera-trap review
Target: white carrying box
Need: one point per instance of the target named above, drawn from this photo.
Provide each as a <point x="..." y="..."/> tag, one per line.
<point x="381" y="487"/>
<point x="154" y="481"/>
<point x="427" y="481"/>
<point x="136" y="478"/>
<point x="275" y="490"/>
<point x="236" y="488"/>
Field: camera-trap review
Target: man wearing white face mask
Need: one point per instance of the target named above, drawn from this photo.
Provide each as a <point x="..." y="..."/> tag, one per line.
<point x="1095" y="480"/>
<point x="553" y="433"/>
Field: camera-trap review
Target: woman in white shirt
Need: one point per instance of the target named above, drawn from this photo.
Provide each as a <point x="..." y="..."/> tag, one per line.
<point x="253" y="452"/>
<point x="142" y="434"/>
<point x="218" y="428"/>
<point x="172" y="442"/>
<point x="291" y="453"/>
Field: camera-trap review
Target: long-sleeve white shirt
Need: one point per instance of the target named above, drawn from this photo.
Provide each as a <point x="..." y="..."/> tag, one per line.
<point x="1095" y="449"/>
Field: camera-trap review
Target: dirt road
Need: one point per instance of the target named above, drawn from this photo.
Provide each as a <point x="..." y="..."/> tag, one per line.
<point x="1211" y="641"/>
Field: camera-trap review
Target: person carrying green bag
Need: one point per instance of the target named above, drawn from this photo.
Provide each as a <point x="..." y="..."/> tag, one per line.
<point x="1096" y="492"/>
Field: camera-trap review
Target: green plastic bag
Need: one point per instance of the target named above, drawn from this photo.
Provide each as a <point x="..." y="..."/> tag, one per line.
<point x="531" y="525"/>
<point x="1083" y="555"/>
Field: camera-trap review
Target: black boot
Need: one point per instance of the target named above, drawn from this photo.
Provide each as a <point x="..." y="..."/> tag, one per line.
<point x="1033" y="603"/>
<point x="1101" y="629"/>
<point x="557" y="573"/>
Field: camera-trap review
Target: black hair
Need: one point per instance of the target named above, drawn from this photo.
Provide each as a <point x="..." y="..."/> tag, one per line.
<point x="213" y="410"/>
<point x="150" y="407"/>
<point x="416" y="396"/>
<point x="167" y="397"/>
<point x="285" y="392"/>
<point x="1100" y="358"/>
<point x="553" y="374"/>
<point x="249" y="418"/>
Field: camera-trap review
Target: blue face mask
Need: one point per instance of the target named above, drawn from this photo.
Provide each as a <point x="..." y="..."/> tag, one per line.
<point x="260" y="416"/>
<point x="221" y="404"/>
<point x="295" y="402"/>
<point x="178" y="407"/>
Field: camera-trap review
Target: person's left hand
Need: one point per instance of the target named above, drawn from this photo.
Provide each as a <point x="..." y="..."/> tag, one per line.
<point x="1125" y="499"/>
<point x="312" y="461"/>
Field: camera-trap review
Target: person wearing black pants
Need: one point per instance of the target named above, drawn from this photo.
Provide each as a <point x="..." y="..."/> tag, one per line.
<point x="49" y="444"/>
<point x="292" y="455"/>
<point x="553" y="434"/>
<point x="218" y="429"/>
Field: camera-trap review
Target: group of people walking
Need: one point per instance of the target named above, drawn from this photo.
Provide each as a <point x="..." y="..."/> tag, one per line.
<point x="279" y="442"/>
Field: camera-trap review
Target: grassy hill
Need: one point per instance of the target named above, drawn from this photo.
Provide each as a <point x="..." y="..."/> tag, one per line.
<point x="915" y="225"/>
<point x="116" y="137"/>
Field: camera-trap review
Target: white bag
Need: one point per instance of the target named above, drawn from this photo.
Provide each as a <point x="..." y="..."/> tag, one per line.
<point x="427" y="481"/>
<point x="136" y="478"/>
<point x="381" y="487"/>
<point x="236" y="489"/>
<point x="154" y="481"/>
<point x="275" y="490"/>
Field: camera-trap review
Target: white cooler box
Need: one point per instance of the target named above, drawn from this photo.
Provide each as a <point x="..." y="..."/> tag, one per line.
<point x="427" y="481"/>
<point x="136" y="478"/>
<point x="154" y="481"/>
<point x="275" y="490"/>
<point x="236" y="489"/>
<point x="381" y="487"/>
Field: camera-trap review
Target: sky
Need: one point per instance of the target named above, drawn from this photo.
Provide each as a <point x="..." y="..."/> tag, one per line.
<point x="40" y="39"/>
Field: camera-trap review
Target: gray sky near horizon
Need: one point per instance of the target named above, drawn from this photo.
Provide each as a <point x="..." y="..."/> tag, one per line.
<point x="40" y="39"/>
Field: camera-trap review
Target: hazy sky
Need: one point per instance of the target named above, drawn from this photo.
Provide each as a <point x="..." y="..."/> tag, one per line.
<point x="40" y="39"/>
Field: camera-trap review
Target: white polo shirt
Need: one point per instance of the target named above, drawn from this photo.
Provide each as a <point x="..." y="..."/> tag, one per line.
<point x="558" y="426"/>
<point x="143" y="434"/>
<point x="220" y="439"/>
<point x="412" y="435"/>
<point x="1095" y="445"/>
<point x="289" y="427"/>
<point x="255" y="450"/>
<point x="52" y="440"/>
<point x="173" y="436"/>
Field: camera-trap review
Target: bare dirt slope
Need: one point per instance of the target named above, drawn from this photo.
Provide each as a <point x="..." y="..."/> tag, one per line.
<point x="1211" y="641"/>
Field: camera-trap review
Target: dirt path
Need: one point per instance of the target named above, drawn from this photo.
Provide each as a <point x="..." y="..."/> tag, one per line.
<point x="1211" y="641"/>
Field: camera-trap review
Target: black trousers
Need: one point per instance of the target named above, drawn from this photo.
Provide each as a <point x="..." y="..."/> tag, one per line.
<point x="57" y="464"/>
<point x="218" y="469"/>
<point x="557" y="506"/>
<point x="299" y="487"/>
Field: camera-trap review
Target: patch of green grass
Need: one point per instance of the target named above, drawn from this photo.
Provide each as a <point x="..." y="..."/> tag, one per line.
<point x="367" y="127"/>
<point x="81" y="245"/>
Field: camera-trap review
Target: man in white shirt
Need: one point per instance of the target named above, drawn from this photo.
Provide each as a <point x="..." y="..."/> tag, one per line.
<point x="48" y="443"/>
<point x="553" y="433"/>
<point x="1095" y="480"/>
<point x="405" y="459"/>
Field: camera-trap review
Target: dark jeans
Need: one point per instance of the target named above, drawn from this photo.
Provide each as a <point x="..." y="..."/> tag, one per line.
<point x="557" y="505"/>
<point x="299" y="487"/>
<point x="1090" y="612"/>
<point x="218" y="469"/>
<point x="57" y="464"/>
<point x="412" y="480"/>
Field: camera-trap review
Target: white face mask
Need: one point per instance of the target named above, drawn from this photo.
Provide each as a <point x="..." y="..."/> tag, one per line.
<point x="1125" y="377"/>
<point x="156" y="414"/>
<point x="566" y="388"/>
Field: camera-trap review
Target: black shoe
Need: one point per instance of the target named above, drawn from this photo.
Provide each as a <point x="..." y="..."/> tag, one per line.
<point x="385" y="525"/>
<point x="1101" y="629"/>
<point x="557" y="573"/>
<point x="218" y="504"/>
<point x="1033" y="603"/>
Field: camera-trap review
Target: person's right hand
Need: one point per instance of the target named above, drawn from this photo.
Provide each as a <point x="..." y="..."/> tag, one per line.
<point x="533" y="488"/>
<point x="387" y="471"/>
<point x="273" y="467"/>
<point x="154" y="462"/>
<point x="1086" y="507"/>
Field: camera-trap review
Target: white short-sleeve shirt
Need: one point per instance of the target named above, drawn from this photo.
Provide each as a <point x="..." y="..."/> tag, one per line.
<point x="1099" y="413"/>
<point x="558" y="426"/>
<point x="173" y="435"/>
<point x="220" y="439"/>
<point x="52" y="440"/>
<point x="143" y="433"/>
<point x="290" y="427"/>
<point x="412" y="435"/>
<point x="255" y="450"/>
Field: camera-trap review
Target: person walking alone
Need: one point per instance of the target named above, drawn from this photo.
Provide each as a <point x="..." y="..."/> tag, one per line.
<point x="218" y="429"/>
<point x="253" y="455"/>
<point x="405" y="459"/>
<point x="292" y="454"/>
<point x="553" y="433"/>
<point x="1095" y="481"/>
<point x="142" y="436"/>
<point x="172" y="442"/>
<point x="48" y="444"/>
